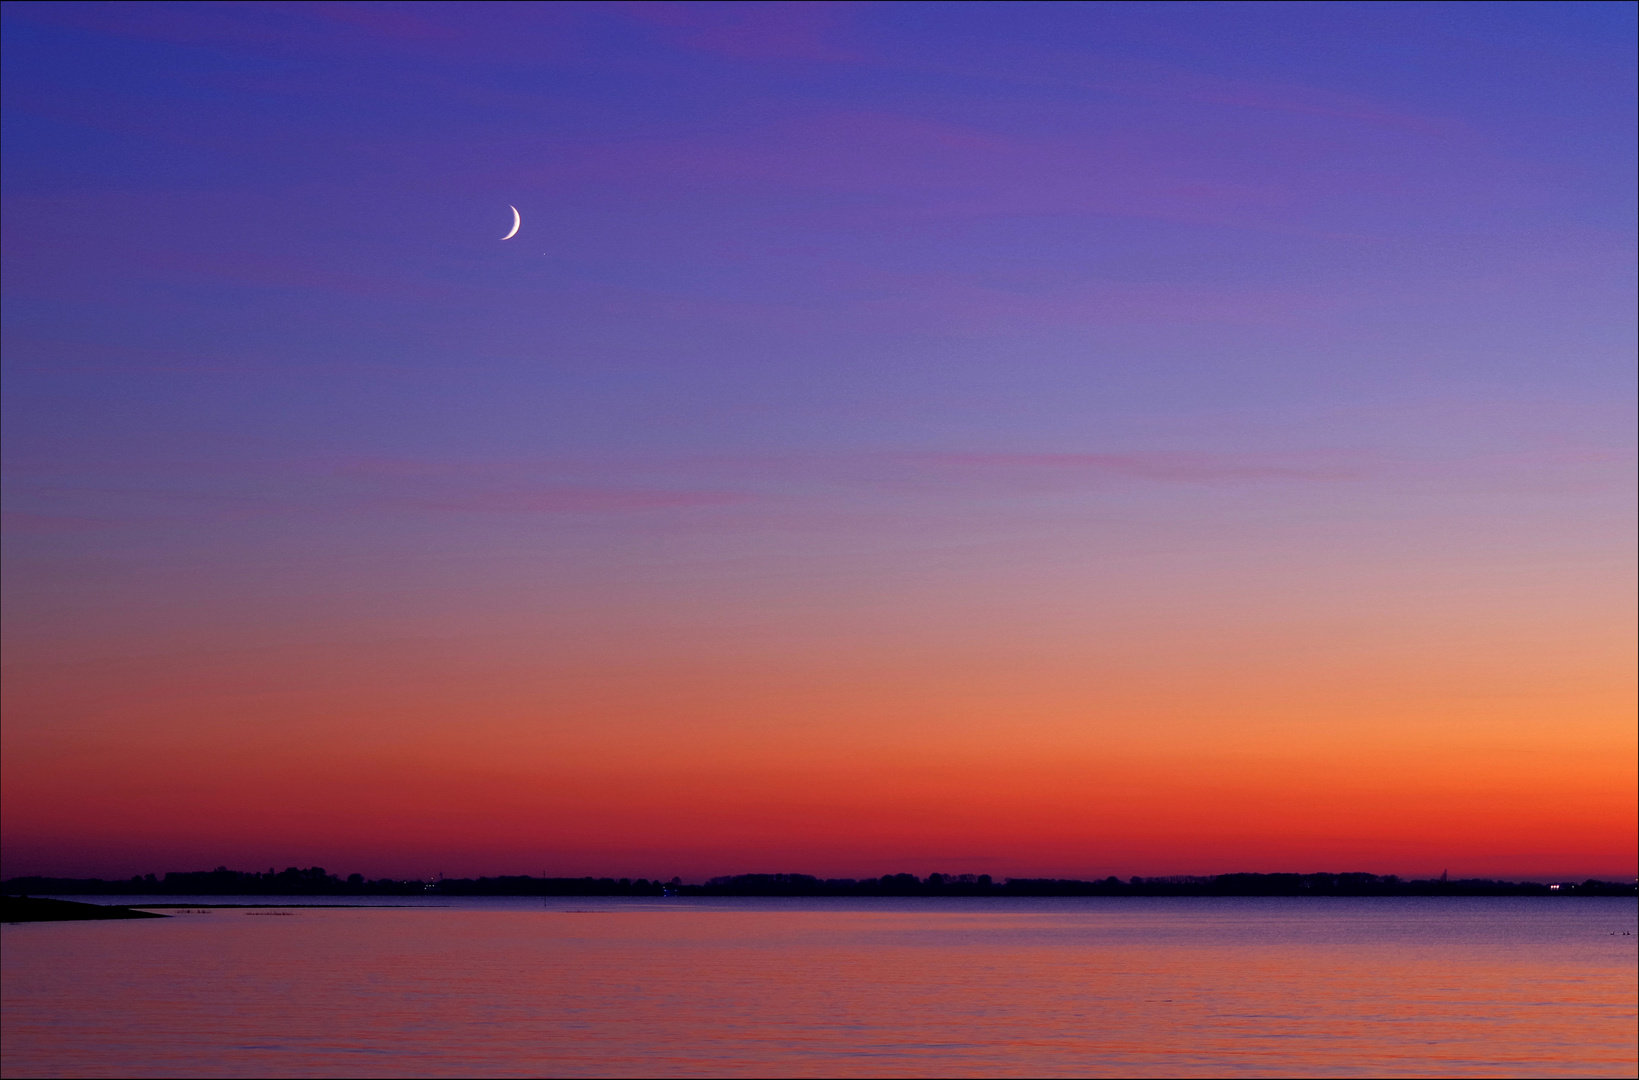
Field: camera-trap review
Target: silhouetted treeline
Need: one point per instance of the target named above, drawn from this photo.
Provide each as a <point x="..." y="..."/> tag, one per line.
<point x="1354" y="884"/>
<point x="314" y="881"/>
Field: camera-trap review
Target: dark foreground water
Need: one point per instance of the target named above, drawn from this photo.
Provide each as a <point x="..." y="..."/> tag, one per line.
<point x="1088" y="987"/>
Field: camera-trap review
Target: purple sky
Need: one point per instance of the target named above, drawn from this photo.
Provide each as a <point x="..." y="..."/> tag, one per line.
<point x="825" y="323"/>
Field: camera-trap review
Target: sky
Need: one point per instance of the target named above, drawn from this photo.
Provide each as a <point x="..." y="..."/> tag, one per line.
<point x="1026" y="439"/>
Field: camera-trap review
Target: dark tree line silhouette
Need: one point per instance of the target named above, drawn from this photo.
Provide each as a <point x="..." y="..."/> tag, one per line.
<point x="315" y="881"/>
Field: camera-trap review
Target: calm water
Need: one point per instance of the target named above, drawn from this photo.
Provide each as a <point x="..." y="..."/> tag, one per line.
<point x="1517" y="986"/>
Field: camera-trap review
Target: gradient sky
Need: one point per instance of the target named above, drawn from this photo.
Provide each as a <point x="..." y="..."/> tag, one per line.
<point x="1025" y="439"/>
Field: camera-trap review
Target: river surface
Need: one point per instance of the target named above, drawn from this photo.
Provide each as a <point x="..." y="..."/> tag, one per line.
<point x="591" y="987"/>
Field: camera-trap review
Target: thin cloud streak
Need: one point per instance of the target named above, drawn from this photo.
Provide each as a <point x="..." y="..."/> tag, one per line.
<point x="574" y="501"/>
<point x="1161" y="466"/>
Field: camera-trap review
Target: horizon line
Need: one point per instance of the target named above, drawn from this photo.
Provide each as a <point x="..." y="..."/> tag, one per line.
<point x="318" y="875"/>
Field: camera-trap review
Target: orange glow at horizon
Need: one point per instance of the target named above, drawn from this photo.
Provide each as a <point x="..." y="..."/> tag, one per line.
<point x="1053" y="752"/>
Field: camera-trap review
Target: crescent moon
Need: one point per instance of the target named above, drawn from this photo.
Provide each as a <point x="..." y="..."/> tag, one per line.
<point x="517" y="220"/>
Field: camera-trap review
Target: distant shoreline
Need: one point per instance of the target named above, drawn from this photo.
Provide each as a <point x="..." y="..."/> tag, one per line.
<point x="315" y="882"/>
<point x="26" y="909"/>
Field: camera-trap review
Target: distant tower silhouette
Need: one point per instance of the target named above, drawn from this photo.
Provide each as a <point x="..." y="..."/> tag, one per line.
<point x="1443" y="876"/>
